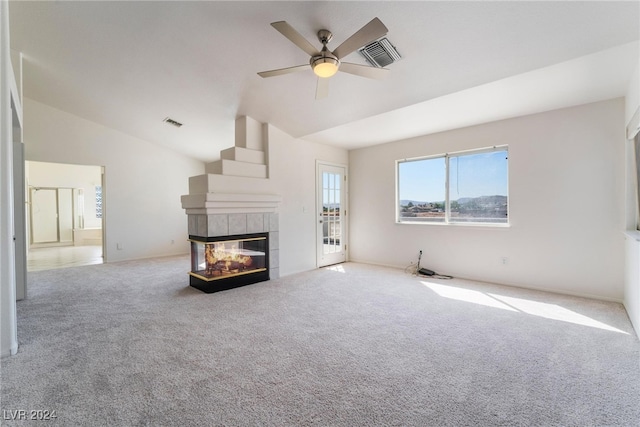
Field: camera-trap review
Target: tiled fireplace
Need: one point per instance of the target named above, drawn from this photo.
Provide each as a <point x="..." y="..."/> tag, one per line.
<point x="234" y="235"/>
<point x="234" y="239"/>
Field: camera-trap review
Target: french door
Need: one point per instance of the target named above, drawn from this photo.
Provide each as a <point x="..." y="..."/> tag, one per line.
<point x="331" y="214"/>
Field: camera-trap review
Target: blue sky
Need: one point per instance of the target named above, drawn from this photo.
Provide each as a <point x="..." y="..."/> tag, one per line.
<point x="330" y="188"/>
<point x="474" y="175"/>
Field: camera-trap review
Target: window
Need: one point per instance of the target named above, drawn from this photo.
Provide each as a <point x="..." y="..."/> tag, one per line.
<point x="98" y="201"/>
<point x="465" y="187"/>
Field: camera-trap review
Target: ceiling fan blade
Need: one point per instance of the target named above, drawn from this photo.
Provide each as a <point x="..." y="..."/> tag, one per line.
<point x="322" y="89"/>
<point x="289" y="32"/>
<point x="282" y="71"/>
<point x="370" y="32"/>
<point x="364" y="70"/>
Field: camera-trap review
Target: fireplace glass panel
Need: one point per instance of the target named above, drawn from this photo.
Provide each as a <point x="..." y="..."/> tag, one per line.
<point x="228" y="258"/>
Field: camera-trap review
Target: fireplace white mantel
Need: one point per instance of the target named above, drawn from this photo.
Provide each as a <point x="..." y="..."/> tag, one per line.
<point x="215" y="203"/>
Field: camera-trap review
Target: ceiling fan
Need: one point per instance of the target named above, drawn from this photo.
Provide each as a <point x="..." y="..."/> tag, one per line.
<point x="325" y="63"/>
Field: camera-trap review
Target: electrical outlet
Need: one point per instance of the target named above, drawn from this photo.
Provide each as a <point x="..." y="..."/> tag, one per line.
<point x="505" y="260"/>
<point x="119" y="246"/>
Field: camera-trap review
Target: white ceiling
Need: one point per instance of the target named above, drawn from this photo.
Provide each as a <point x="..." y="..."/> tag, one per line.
<point x="128" y="65"/>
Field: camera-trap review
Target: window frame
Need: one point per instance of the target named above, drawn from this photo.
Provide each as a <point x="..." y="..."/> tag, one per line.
<point x="447" y="219"/>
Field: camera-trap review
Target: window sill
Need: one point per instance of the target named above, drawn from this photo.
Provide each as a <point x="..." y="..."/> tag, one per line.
<point x="457" y="224"/>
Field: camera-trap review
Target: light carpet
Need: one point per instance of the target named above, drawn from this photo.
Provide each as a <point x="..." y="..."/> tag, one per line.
<point x="131" y="344"/>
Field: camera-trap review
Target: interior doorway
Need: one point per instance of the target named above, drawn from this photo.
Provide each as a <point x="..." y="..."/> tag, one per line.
<point x="65" y="215"/>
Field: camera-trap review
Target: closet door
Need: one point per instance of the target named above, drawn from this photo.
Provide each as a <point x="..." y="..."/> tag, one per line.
<point x="44" y="215"/>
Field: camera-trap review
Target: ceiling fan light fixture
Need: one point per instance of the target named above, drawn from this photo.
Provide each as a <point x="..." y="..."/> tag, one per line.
<point x="325" y="66"/>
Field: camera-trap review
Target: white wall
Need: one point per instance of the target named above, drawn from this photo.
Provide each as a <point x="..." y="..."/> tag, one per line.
<point x="143" y="181"/>
<point x="292" y="171"/>
<point x="632" y="247"/>
<point x="43" y="174"/>
<point x="632" y="104"/>
<point x="566" y="188"/>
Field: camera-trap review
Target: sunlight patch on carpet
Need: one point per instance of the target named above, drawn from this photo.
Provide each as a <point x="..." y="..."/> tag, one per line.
<point x="467" y="295"/>
<point x="535" y="308"/>
<point x="337" y="268"/>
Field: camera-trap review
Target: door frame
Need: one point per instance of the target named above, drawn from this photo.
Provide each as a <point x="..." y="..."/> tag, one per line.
<point x="344" y="238"/>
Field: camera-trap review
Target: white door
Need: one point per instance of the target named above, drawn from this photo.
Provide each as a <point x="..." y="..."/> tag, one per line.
<point x="331" y="214"/>
<point x="20" y="224"/>
<point x="51" y="215"/>
<point x="44" y="215"/>
<point x="65" y="215"/>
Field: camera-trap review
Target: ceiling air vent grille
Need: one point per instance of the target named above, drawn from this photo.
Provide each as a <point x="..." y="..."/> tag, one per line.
<point x="172" y="122"/>
<point x="380" y="53"/>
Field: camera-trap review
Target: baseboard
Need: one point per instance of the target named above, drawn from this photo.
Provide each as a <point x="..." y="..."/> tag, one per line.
<point x="512" y="285"/>
<point x="142" y="258"/>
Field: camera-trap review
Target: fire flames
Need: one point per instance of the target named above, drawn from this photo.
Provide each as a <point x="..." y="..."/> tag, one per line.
<point x="221" y="260"/>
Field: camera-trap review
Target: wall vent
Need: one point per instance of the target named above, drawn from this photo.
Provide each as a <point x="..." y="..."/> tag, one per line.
<point x="380" y="53"/>
<point x="170" y="121"/>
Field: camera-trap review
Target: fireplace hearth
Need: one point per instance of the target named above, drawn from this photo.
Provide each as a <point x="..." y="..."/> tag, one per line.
<point x="226" y="262"/>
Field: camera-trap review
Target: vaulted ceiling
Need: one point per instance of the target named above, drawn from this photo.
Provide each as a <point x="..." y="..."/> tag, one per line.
<point x="128" y="65"/>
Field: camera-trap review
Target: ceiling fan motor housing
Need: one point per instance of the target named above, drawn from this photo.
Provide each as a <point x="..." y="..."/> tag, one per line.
<point x="325" y="36"/>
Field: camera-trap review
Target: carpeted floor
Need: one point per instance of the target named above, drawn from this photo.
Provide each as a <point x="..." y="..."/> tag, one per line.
<point x="130" y="344"/>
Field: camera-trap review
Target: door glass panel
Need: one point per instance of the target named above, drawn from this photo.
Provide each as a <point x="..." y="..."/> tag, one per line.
<point x="331" y="231"/>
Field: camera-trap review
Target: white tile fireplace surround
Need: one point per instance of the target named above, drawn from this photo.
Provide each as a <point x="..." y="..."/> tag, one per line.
<point x="225" y="214"/>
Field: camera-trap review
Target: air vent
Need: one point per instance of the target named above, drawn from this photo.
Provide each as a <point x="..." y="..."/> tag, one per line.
<point x="380" y="53"/>
<point x="172" y="122"/>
